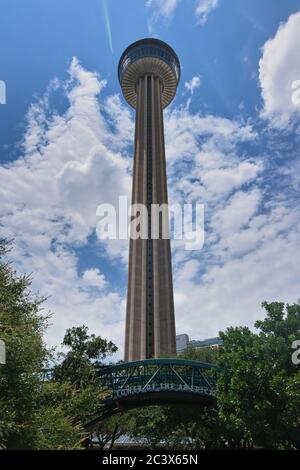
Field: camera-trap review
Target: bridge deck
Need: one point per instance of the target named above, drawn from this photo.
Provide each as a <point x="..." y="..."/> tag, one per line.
<point x="156" y="381"/>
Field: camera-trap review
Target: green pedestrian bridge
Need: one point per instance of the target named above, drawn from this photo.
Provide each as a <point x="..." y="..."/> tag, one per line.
<point x="155" y="382"/>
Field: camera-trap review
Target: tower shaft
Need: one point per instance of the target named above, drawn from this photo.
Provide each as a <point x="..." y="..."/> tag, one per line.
<point x="150" y="323"/>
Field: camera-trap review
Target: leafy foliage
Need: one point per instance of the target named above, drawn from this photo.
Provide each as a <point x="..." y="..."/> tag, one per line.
<point x="21" y="327"/>
<point x="207" y="354"/>
<point x="260" y="393"/>
<point x="85" y="352"/>
<point x="258" y="402"/>
<point x="78" y="368"/>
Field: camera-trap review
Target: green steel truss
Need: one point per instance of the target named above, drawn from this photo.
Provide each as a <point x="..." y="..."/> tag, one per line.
<point x="159" y="375"/>
<point x="156" y="381"/>
<point x="153" y="382"/>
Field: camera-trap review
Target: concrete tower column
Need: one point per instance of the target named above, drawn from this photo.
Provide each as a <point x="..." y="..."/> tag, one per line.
<point x="149" y="73"/>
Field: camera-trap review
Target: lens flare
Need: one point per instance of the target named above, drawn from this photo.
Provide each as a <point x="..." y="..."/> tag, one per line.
<point x="106" y="20"/>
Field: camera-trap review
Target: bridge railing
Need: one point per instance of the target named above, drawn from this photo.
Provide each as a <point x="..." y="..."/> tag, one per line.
<point x="160" y="375"/>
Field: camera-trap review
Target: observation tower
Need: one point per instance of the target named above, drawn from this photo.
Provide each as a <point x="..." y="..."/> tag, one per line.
<point x="149" y="71"/>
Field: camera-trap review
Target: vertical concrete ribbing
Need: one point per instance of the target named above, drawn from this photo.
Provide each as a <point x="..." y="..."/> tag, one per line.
<point x="142" y="267"/>
<point x="139" y="343"/>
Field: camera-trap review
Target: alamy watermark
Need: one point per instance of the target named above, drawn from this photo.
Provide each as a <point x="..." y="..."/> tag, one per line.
<point x="296" y="92"/>
<point x="296" y="353"/>
<point x="137" y="221"/>
<point x="2" y="352"/>
<point x="2" y="92"/>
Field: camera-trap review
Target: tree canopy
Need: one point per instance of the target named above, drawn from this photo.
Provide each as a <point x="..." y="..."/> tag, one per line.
<point x="21" y="328"/>
<point x="34" y="413"/>
<point x="258" y="395"/>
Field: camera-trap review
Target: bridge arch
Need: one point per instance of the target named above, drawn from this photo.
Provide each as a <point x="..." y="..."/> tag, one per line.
<point x="156" y="382"/>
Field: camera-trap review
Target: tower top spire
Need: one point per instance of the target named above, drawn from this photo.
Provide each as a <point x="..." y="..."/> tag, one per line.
<point x="149" y="56"/>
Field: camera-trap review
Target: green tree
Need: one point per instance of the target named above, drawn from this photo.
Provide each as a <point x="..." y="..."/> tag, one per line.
<point x="111" y="429"/>
<point x="28" y="419"/>
<point x="150" y="426"/>
<point x="85" y="353"/>
<point x="181" y="426"/>
<point x="62" y="414"/>
<point x="78" y="367"/>
<point x="259" y="390"/>
<point x="21" y="327"/>
<point x="56" y="431"/>
<point x="208" y="355"/>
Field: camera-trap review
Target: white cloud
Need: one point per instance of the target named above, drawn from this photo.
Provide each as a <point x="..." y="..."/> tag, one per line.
<point x="192" y="84"/>
<point x="225" y="283"/>
<point x="231" y="293"/>
<point x="204" y="8"/>
<point x="165" y="9"/>
<point x="183" y="131"/>
<point x="93" y="278"/>
<point x="237" y="212"/>
<point x="224" y="180"/>
<point x="279" y="68"/>
<point x="72" y="161"/>
<point x="162" y="9"/>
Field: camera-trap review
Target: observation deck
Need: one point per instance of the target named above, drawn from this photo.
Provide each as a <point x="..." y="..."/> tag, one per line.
<point x="149" y="56"/>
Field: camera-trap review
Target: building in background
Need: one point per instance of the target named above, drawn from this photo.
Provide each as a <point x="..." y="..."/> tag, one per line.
<point x="149" y="72"/>
<point x="183" y="341"/>
<point x="206" y="343"/>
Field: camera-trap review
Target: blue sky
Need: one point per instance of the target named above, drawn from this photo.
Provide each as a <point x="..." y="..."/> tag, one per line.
<point x="232" y="138"/>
